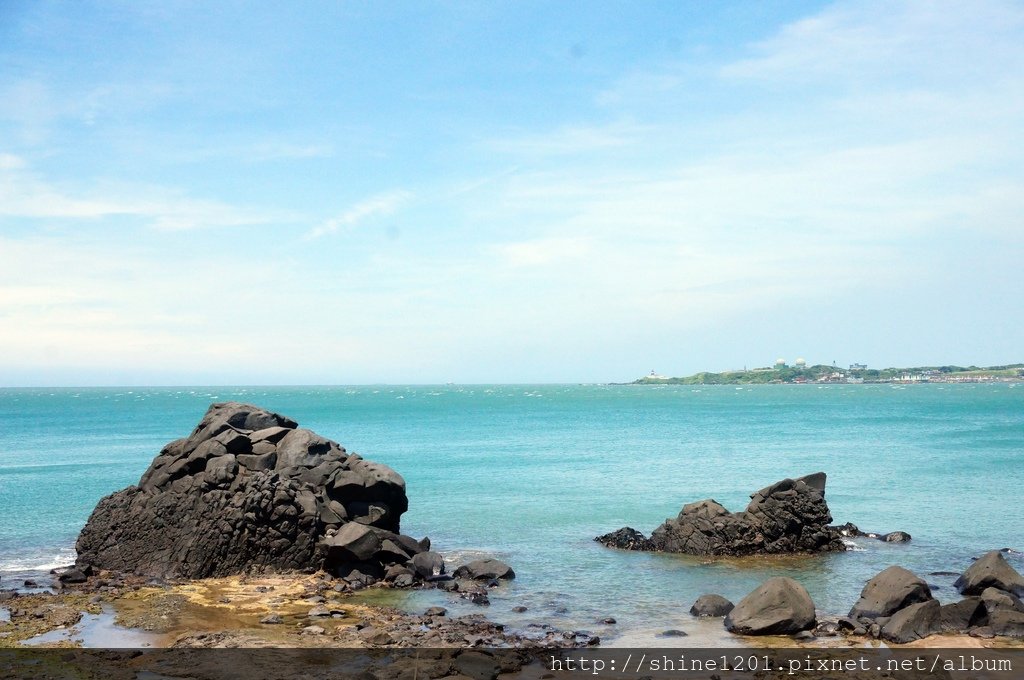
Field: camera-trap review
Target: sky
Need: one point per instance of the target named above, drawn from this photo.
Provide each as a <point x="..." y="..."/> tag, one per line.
<point x="427" y="192"/>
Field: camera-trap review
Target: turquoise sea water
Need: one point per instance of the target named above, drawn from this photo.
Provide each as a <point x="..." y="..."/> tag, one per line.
<point x="532" y="473"/>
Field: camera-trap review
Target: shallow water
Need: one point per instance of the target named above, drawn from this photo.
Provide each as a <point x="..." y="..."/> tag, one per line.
<point x="97" y="631"/>
<point x="532" y="473"/>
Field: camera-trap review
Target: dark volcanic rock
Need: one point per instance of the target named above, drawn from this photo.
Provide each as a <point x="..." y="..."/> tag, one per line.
<point x="73" y="575"/>
<point x="990" y="571"/>
<point x="249" y="490"/>
<point x="779" y="606"/>
<point x="961" y="616"/>
<point x="1007" y="623"/>
<point x="789" y="516"/>
<point x="711" y="605"/>
<point x="428" y="564"/>
<point x="995" y="599"/>
<point x="888" y="592"/>
<point x="626" y="538"/>
<point x="913" y="623"/>
<point x="485" y="570"/>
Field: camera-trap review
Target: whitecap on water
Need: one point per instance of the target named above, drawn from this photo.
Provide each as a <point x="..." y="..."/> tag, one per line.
<point x="34" y="563"/>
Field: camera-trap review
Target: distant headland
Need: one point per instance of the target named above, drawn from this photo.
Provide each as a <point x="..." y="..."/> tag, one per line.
<point x="800" y="372"/>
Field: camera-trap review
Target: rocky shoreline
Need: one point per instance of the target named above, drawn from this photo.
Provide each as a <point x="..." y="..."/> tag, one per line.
<point x="253" y="532"/>
<point x="266" y="610"/>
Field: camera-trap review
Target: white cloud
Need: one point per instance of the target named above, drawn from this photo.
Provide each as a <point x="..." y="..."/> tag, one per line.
<point x="879" y="39"/>
<point x="24" y="193"/>
<point x="380" y="204"/>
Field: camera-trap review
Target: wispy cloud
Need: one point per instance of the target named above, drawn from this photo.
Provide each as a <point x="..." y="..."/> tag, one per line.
<point x="377" y="205"/>
<point x="25" y="193"/>
<point x="891" y="40"/>
<point x="570" y="140"/>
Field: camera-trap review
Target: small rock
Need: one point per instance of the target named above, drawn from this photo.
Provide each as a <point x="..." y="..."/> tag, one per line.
<point x="609" y="621"/>
<point x="671" y="633"/>
<point x="376" y="637"/>
<point x="272" y="619"/>
<point x="435" y="611"/>
<point x="318" y="611"/>
<point x="313" y="630"/>
<point x="519" y="609"/>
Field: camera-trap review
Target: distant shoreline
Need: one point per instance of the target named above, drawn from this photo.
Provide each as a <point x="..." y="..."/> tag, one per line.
<point x="782" y="373"/>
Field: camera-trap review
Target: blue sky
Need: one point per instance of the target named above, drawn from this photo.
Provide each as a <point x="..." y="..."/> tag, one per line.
<point x="202" y="193"/>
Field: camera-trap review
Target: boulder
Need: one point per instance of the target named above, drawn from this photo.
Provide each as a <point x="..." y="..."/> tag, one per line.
<point x="990" y="571"/>
<point x="428" y="564"/>
<point x="73" y="575"/>
<point x="913" y="623"/>
<point x="246" y="491"/>
<point x="959" y="617"/>
<point x="995" y="599"/>
<point x="711" y="605"/>
<point x="790" y="516"/>
<point x="1007" y="623"/>
<point x="888" y="592"/>
<point x="485" y="570"/>
<point x="354" y="542"/>
<point x="779" y="606"/>
<point x="896" y="537"/>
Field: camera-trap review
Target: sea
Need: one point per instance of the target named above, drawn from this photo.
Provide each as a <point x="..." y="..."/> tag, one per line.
<point x="532" y="473"/>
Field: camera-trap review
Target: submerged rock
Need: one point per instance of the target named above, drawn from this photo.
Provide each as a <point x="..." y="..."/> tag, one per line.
<point x="711" y="605"/>
<point x="248" y="490"/>
<point x="485" y="570"/>
<point x="626" y="538"/>
<point x="790" y="516"/>
<point x="779" y="606"/>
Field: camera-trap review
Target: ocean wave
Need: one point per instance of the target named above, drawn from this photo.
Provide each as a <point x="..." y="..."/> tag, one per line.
<point x="853" y="546"/>
<point x="39" y="562"/>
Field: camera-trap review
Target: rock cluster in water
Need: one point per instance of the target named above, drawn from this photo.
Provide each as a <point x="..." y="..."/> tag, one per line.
<point x="896" y="606"/>
<point x="790" y="516"/>
<point x="251" y="491"/>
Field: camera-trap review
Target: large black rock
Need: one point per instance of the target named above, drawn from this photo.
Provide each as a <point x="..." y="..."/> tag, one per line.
<point x="779" y="606"/>
<point x="913" y="623"/>
<point x="790" y="516"/>
<point x="248" y="491"/>
<point x="890" y="591"/>
<point x="990" y="571"/>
